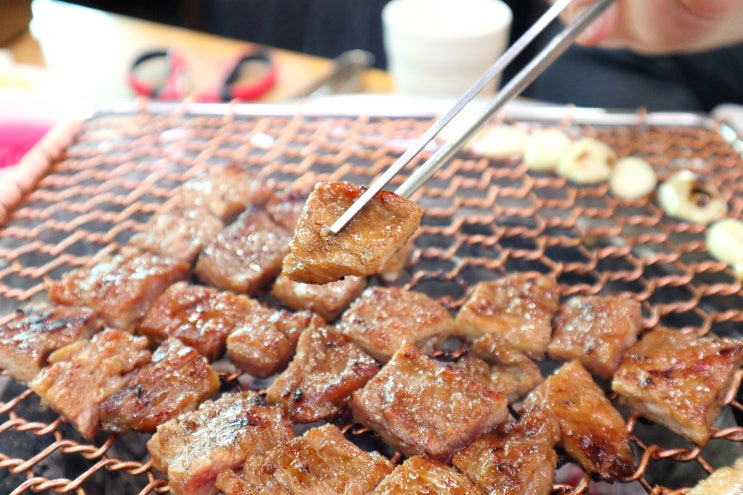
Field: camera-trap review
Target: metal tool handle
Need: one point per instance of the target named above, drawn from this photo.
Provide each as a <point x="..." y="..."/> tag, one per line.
<point x="555" y="48"/>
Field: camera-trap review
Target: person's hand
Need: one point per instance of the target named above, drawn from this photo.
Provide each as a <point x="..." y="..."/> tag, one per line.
<point x="663" y="26"/>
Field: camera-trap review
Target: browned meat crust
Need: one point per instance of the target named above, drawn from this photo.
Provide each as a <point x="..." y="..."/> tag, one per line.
<point x="596" y="330"/>
<point x="422" y="408"/>
<point x="265" y="341"/>
<point x="325" y="371"/>
<point x="421" y="475"/>
<point x="519" y="307"/>
<point x="593" y="432"/>
<point x="246" y="256"/>
<point x="517" y="458"/>
<point x="327" y="300"/>
<point x="36" y="331"/>
<point x="382" y="318"/>
<point x="195" y="447"/>
<point x="320" y="462"/>
<point x="120" y="289"/>
<point x="85" y="373"/>
<point x="362" y="248"/>
<point x="225" y="192"/>
<point x="679" y="380"/>
<point x="178" y="231"/>
<point x="175" y="381"/>
<point x="201" y="317"/>
<point x="499" y="366"/>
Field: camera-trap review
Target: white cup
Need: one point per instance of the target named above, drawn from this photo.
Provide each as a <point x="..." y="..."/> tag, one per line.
<point x="440" y="48"/>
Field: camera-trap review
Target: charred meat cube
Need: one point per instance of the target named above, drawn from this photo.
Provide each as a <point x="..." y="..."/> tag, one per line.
<point x="320" y="462"/>
<point x="418" y="475"/>
<point x="121" y="288"/>
<point x="383" y="317"/>
<point x="420" y="407"/>
<point x="225" y="192"/>
<point x="501" y="367"/>
<point x="193" y="448"/>
<point x="327" y="300"/>
<point x="362" y="247"/>
<point x="518" y="307"/>
<point x="679" y="380"/>
<point x="327" y="368"/>
<point x="83" y="374"/>
<point x="201" y="317"/>
<point x="36" y="330"/>
<point x="595" y="330"/>
<point x="246" y="256"/>
<point x="265" y="341"/>
<point x="176" y="380"/>
<point x="593" y="432"/>
<point x="178" y="231"/>
<point x="517" y="458"/>
<point x="286" y="207"/>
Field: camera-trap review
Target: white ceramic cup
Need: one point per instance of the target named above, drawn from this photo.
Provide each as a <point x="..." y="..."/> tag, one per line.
<point x="440" y="48"/>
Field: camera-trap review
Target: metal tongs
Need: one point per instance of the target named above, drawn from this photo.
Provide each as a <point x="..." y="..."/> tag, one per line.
<point x="513" y="88"/>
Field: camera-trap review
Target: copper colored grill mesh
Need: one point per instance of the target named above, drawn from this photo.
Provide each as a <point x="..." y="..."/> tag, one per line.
<point x="483" y="218"/>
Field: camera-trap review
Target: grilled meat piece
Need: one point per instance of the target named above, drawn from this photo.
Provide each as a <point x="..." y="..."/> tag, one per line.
<point x="175" y="381"/>
<point x="327" y="300"/>
<point x="320" y="462"/>
<point x="36" y="330"/>
<point x="395" y="266"/>
<point x="178" y="230"/>
<point x="499" y="366"/>
<point x="246" y="256"/>
<point x="519" y="307"/>
<point x="83" y="374"/>
<point x="121" y="288"/>
<point x="265" y="341"/>
<point x="420" y="407"/>
<point x="225" y="192"/>
<point x="419" y="475"/>
<point x="201" y="317"/>
<point x="362" y="248"/>
<point x="679" y="380"/>
<point x="193" y="448"/>
<point x="327" y="368"/>
<point x="593" y="432"/>
<point x="595" y="330"/>
<point x="286" y="207"/>
<point x="382" y="318"/>
<point x="517" y="458"/>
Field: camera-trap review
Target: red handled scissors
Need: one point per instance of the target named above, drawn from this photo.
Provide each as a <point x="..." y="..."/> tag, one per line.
<point x="232" y="81"/>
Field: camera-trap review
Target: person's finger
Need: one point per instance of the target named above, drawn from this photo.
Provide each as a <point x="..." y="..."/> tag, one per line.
<point x="710" y="9"/>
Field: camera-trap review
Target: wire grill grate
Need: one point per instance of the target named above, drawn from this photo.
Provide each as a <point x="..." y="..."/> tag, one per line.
<point x="483" y="218"/>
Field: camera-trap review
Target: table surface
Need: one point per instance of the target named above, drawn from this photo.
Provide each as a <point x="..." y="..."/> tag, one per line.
<point x="86" y="53"/>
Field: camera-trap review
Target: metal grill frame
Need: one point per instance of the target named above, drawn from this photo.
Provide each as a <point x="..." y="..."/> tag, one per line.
<point x="91" y="185"/>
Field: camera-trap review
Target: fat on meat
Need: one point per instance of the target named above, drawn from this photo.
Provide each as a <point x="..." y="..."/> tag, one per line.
<point x="38" y="329"/>
<point x="519" y="307"/>
<point x="679" y="380"/>
<point x="195" y="447"/>
<point x="420" y="407"/>
<point x="382" y="318"/>
<point x="83" y="374"/>
<point x="176" y="380"/>
<point x="362" y="247"/>
<point x="326" y="369"/>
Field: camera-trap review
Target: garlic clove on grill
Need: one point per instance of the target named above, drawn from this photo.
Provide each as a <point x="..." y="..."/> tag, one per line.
<point x="685" y="195"/>
<point x="545" y="149"/>
<point x="632" y="178"/>
<point x="724" y="240"/>
<point x="501" y="141"/>
<point x="587" y="161"/>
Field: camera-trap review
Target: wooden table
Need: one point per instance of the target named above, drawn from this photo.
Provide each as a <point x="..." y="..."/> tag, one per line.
<point x="87" y="52"/>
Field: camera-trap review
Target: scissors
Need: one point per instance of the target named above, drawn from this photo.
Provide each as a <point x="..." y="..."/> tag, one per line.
<point x="231" y="83"/>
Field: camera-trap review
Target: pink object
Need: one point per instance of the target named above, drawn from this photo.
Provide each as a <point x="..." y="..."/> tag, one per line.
<point x="17" y="137"/>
